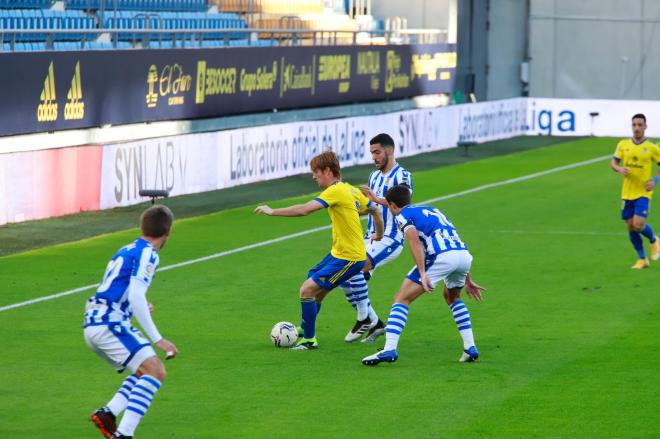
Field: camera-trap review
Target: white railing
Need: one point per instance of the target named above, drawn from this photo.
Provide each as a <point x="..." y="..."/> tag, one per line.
<point x="142" y="38"/>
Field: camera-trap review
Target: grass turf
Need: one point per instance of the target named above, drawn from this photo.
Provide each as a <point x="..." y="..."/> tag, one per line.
<point x="565" y="334"/>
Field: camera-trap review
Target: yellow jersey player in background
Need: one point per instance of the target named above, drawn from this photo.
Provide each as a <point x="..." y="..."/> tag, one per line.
<point x="635" y="159"/>
<point x="348" y="254"/>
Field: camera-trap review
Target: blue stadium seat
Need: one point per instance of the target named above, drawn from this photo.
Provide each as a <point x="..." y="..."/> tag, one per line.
<point x="185" y="21"/>
<point x="19" y="4"/>
<point x="174" y="21"/>
<point x="142" y="5"/>
<point x="83" y="4"/>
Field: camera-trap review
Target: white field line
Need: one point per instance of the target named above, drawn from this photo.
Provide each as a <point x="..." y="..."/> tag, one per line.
<point x="549" y="232"/>
<point x="314" y="230"/>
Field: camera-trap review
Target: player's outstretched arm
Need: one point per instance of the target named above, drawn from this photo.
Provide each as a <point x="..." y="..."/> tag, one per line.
<point x="296" y="210"/>
<point x="366" y="190"/>
<point x="137" y="297"/>
<point x="473" y="289"/>
<point x="377" y="215"/>
<point x="412" y="237"/>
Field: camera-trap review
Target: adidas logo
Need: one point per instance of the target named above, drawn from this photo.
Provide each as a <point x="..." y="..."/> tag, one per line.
<point x="47" y="110"/>
<point x="75" y="107"/>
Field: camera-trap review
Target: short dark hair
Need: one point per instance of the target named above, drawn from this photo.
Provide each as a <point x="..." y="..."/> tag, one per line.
<point x="639" y="116"/>
<point x="327" y="159"/>
<point x="399" y="195"/>
<point x="156" y="221"/>
<point x="385" y="140"/>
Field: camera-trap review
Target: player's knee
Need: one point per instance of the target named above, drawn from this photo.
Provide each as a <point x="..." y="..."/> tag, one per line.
<point x="153" y="367"/>
<point x="367" y="266"/>
<point x="161" y="375"/>
<point x="451" y="295"/>
<point x="159" y="372"/>
<point x="638" y="226"/>
<point x="400" y="297"/>
<point x="306" y="292"/>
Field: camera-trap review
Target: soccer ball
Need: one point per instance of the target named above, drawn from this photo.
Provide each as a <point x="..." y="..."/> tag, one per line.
<point x="284" y="334"/>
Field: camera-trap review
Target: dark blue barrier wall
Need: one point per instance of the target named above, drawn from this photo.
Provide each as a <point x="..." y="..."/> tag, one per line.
<point x="49" y="91"/>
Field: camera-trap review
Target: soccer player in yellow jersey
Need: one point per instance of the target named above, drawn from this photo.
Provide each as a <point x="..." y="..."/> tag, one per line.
<point x="635" y="159"/>
<point x="348" y="254"/>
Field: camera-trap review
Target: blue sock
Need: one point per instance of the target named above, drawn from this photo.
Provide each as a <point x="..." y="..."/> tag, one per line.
<point x="648" y="233"/>
<point x="309" y="311"/>
<point x="636" y="239"/>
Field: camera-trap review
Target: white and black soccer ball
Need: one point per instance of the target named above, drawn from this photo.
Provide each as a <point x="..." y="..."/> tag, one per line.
<point x="284" y="334"/>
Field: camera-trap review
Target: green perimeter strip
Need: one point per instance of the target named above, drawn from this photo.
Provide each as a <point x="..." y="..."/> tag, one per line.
<point x="16" y="238"/>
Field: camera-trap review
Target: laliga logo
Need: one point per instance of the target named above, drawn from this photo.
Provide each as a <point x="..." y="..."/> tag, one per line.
<point x="545" y="121"/>
<point x="170" y="82"/>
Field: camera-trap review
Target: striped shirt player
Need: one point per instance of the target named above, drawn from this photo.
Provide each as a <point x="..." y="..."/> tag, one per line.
<point x="109" y="311"/>
<point x="391" y="245"/>
<point x="108" y="330"/>
<point x="440" y="255"/>
<point x="636" y="159"/>
<point x="388" y="173"/>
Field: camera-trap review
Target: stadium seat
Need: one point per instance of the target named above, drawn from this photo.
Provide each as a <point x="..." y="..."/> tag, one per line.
<point x="186" y="16"/>
<point x="184" y="21"/>
<point x="16" y="4"/>
<point x="142" y="5"/>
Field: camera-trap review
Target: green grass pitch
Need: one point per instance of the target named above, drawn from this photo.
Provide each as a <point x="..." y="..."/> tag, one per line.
<point x="567" y="333"/>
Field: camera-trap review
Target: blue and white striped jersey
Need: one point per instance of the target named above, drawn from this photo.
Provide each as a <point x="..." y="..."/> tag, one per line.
<point x="379" y="184"/>
<point x="436" y="233"/>
<point x="138" y="260"/>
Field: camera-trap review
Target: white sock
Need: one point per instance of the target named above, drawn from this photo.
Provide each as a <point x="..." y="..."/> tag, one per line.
<point x="119" y="402"/>
<point x="372" y="314"/>
<point x="139" y="402"/>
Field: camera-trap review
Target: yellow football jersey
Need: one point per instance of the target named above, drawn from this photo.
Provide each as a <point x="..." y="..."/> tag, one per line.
<point x="641" y="161"/>
<point x="345" y="203"/>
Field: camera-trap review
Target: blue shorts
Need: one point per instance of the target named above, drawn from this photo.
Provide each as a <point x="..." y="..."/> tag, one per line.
<point x="332" y="272"/>
<point x="638" y="207"/>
